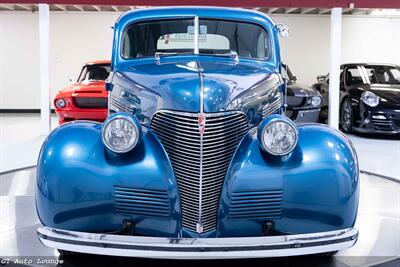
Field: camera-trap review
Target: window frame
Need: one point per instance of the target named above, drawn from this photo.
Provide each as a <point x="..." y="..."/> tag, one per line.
<point x="266" y="31"/>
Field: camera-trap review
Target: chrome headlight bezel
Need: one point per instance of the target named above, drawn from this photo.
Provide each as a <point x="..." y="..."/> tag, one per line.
<point x="370" y="99"/>
<point x="315" y="101"/>
<point x="131" y="119"/>
<point x="60" y="100"/>
<point x="273" y="121"/>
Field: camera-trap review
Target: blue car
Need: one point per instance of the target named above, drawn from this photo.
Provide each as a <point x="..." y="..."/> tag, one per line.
<point x="196" y="159"/>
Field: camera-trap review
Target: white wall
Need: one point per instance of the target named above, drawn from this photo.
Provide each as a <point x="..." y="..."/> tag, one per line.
<point x="364" y="39"/>
<point x="77" y="37"/>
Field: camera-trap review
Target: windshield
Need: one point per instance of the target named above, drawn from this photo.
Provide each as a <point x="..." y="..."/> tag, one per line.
<point x="383" y="74"/>
<point x="145" y="39"/>
<point x="97" y="72"/>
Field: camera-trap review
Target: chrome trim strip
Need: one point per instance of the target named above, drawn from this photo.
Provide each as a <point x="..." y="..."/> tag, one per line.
<point x="196" y="35"/>
<point x="199" y="225"/>
<point x="198" y="248"/>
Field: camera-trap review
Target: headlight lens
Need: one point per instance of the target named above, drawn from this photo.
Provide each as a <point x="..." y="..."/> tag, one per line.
<point x="315" y="101"/>
<point x="278" y="135"/>
<point x="60" y="103"/>
<point x="370" y="99"/>
<point x="121" y="132"/>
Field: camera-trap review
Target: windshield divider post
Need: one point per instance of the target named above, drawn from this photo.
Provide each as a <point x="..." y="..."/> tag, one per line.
<point x="196" y="35"/>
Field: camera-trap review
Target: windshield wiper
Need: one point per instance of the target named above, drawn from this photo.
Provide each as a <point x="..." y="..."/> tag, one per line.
<point x="232" y="54"/>
<point x="159" y="55"/>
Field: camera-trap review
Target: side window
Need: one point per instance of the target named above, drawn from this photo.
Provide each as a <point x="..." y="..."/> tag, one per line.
<point x="83" y="74"/>
<point x="396" y="74"/>
<point x="353" y="76"/>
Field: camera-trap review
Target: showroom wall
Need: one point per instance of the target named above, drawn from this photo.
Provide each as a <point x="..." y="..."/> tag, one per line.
<point x="76" y="37"/>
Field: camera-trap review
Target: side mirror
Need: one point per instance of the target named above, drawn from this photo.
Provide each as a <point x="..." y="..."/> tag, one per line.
<point x="71" y="80"/>
<point x="283" y="30"/>
<point x="294" y="78"/>
<point x="320" y="78"/>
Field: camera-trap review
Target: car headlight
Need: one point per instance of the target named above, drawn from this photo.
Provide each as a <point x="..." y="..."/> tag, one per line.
<point x="370" y="99"/>
<point x="60" y="103"/>
<point x="315" y="101"/>
<point x="278" y="135"/>
<point x="121" y="132"/>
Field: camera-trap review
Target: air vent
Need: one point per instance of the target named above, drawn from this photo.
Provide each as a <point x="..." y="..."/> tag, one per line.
<point x="146" y="202"/>
<point x="247" y="205"/>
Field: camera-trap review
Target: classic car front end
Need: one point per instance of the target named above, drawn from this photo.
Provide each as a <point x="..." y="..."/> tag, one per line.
<point x="196" y="160"/>
<point x="87" y="98"/>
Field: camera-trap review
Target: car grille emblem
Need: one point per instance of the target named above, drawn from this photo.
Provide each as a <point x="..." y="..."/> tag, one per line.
<point x="202" y="123"/>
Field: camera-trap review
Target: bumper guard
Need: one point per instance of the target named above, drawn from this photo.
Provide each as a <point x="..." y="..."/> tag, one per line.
<point x="198" y="248"/>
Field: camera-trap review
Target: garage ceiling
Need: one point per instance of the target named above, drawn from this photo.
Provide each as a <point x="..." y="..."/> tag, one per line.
<point x="112" y="8"/>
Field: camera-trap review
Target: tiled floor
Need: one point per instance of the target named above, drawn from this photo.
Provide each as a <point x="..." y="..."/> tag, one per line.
<point x="20" y="140"/>
<point x="378" y="222"/>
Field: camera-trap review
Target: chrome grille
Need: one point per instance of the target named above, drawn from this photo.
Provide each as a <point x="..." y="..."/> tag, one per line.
<point x="120" y="107"/>
<point x="91" y="102"/>
<point x="200" y="179"/>
<point x="272" y="107"/>
<point x="139" y="201"/>
<point x="265" y="204"/>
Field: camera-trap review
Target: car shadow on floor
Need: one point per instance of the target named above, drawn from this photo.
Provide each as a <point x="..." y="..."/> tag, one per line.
<point x="96" y="260"/>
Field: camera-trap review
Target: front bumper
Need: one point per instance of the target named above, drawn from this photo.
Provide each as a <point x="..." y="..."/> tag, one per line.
<point x="378" y="120"/>
<point x="198" y="248"/>
<point x="305" y="115"/>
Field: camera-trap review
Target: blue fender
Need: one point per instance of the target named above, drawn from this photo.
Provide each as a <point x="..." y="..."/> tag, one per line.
<point x="83" y="186"/>
<point x="313" y="189"/>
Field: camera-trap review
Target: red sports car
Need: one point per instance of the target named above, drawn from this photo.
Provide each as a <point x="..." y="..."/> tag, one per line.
<point x="87" y="98"/>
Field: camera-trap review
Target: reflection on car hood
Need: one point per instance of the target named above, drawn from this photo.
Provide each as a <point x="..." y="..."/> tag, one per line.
<point x="300" y="90"/>
<point x="178" y="83"/>
<point x="389" y="92"/>
<point x="86" y="87"/>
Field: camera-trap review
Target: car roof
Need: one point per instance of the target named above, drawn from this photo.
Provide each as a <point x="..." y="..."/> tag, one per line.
<point x="201" y="11"/>
<point x="368" y="64"/>
<point x="98" y="62"/>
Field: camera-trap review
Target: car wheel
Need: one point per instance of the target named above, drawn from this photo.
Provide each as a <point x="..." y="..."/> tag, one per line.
<point x="346" y="116"/>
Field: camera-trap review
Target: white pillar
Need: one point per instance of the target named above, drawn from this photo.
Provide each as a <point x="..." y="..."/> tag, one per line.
<point x="44" y="33"/>
<point x="334" y="76"/>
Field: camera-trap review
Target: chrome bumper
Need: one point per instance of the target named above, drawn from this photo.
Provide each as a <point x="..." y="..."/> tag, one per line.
<point x="198" y="248"/>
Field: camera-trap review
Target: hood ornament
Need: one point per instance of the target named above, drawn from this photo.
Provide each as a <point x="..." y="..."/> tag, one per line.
<point x="201" y="119"/>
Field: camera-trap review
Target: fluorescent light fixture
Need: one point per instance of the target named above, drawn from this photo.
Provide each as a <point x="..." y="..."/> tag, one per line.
<point x="385" y="12"/>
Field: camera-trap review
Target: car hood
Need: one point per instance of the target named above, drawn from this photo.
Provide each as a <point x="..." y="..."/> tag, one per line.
<point x="177" y="84"/>
<point x="85" y="87"/>
<point x="300" y="90"/>
<point x="389" y="92"/>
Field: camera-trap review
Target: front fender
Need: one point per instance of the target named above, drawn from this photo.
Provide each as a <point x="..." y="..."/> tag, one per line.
<point x="314" y="189"/>
<point x="82" y="186"/>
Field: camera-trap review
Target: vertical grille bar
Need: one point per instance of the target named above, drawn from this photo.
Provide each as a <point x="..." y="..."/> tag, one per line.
<point x="200" y="165"/>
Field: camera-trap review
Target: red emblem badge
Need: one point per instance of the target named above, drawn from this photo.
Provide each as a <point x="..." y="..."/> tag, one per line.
<point x="201" y="119"/>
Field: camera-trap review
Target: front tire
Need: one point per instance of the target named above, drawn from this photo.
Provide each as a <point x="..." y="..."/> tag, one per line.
<point x="346" y="116"/>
